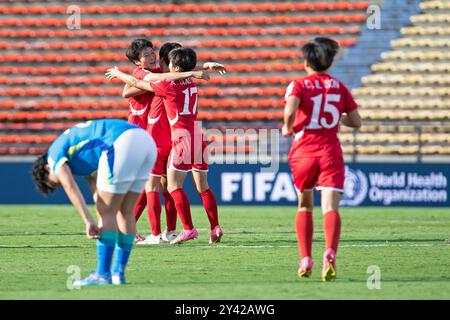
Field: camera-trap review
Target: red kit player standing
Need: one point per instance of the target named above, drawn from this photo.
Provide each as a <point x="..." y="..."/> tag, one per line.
<point x="188" y="147"/>
<point x="315" y="107"/>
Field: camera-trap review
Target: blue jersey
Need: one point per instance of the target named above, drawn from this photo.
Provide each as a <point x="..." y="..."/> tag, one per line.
<point x="82" y="145"/>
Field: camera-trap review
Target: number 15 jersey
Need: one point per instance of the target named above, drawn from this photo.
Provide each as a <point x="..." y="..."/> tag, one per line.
<point x="323" y="99"/>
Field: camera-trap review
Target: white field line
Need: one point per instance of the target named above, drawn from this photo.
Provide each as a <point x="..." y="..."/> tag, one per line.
<point x="226" y="246"/>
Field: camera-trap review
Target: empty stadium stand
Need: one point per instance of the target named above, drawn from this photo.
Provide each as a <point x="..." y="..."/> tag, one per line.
<point x="52" y="70"/>
<point x="410" y="86"/>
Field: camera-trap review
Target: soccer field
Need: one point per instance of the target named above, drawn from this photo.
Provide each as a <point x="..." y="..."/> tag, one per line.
<point x="257" y="258"/>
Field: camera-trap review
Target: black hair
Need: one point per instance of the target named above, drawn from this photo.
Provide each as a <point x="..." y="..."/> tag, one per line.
<point x="166" y="48"/>
<point x="135" y="49"/>
<point x="320" y="53"/>
<point x="40" y="174"/>
<point x="185" y="58"/>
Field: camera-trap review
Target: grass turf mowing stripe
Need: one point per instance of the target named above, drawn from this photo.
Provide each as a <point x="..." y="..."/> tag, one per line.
<point x="224" y="246"/>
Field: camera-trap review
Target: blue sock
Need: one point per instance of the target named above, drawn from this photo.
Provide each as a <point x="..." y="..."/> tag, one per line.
<point x="123" y="249"/>
<point x="105" y="250"/>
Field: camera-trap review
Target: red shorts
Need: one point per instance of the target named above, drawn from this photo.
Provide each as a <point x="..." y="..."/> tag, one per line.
<point x="325" y="172"/>
<point x="160" y="166"/>
<point x="188" y="152"/>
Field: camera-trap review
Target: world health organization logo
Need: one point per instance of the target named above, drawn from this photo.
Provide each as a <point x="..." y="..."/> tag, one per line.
<point x="355" y="187"/>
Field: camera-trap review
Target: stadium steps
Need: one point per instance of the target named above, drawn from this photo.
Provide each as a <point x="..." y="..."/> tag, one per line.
<point x="410" y="85"/>
<point x="373" y="40"/>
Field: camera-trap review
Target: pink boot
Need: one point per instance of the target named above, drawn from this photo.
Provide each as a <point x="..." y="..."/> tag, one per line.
<point x="185" y="235"/>
<point x="216" y="234"/>
<point x="305" y="267"/>
<point x="329" y="265"/>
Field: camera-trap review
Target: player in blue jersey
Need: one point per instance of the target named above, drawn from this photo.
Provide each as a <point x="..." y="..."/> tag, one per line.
<point x="116" y="158"/>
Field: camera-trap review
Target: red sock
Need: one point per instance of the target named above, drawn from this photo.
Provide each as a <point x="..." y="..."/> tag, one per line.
<point x="171" y="211"/>
<point x="183" y="208"/>
<point x="154" y="212"/>
<point x="140" y="205"/>
<point x="332" y="229"/>
<point x="210" y="205"/>
<point x="304" y="229"/>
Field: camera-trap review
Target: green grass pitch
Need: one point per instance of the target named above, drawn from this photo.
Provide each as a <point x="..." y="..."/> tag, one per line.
<point x="257" y="258"/>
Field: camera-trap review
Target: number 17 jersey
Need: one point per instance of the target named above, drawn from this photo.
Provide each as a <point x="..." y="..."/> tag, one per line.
<point x="323" y="100"/>
<point x="188" y="146"/>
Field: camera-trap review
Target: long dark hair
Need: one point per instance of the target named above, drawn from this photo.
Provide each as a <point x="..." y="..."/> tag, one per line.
<point x="40" y="174"/>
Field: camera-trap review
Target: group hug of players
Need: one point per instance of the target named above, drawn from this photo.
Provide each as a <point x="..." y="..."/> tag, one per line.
<point x="116" y="158"/>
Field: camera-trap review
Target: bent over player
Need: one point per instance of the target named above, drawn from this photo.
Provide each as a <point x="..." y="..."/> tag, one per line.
<point x="115" y="157"/>
<point x="314" y="109"/>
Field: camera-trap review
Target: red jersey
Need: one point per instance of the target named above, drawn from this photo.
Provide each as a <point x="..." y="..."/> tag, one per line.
<point x="180" y="101"/>
<point x="140" y="105"/>
<point x="323" y="99"/>
<point x="188" y="146"/>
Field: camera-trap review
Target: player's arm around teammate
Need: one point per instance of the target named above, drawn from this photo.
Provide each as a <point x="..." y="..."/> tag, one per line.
<point x="141" y="53"/>
<point x="145" y="84"/>
<point x="132" y="91"/>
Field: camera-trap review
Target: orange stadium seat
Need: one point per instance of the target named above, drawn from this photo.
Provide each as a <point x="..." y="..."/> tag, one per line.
<point x="28" y="139"/>
<point x="244" y="103"/>
<point x="284" y="80"/>
<point x="89" y="71"/>
<point x="200" y="7"/>
<point x="18" y="150"/>
<point x="39" y="70"/>
<point x="68" y="104"/>
<point x="241" y="91"/>
<point x="37" y="150"/>
<point x="176" y="21"/>
<point x="36" y="126"/>
<point x="8" y="139"/>
<point x="207" y="56"/>
<point x="8" y="104"/>
<point x="121" y="33"/>
<point x="240" y="115"/>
